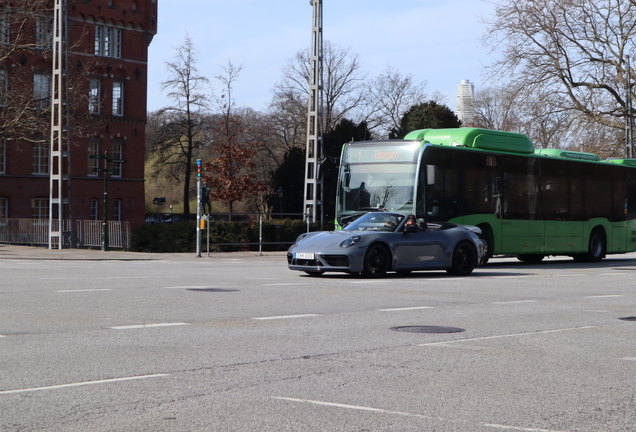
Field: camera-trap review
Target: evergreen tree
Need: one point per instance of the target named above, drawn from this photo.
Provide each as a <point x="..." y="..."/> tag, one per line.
<point x="427" y="115"/>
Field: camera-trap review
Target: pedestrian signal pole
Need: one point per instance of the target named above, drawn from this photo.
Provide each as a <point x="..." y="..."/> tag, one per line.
<point x="199" y="200"/>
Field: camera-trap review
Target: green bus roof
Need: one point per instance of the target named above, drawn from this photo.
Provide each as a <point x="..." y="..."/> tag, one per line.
<point x="568" y="154"/>
<point x="484" y="139"/>
<point x="630" y="162"/>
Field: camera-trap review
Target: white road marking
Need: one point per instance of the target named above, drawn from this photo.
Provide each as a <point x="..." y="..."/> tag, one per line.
<point x="611" y="274"/>
<point x="286" y="317"/>
<point x="109" y="277"/>
<point x="629" y="358"/>
<point x="513" y="277"/>
<point x="569" y="275"/>
<point x="84" y="383"/>
<point x="516" y="428"/>
<point x="83" y="290"/>
<point x="515" y="301"/>
<point x="506" y="336"/>
<point x="140" y="326"/>
<point x="286" y="284"/>
<point x="596" y="310"/>
<point x="405" y="308"/>
<point x="406" y="414"/>
<point x="604" y="296"/>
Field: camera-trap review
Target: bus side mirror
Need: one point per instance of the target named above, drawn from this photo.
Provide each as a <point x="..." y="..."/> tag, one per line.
<point x="431" y="174"/>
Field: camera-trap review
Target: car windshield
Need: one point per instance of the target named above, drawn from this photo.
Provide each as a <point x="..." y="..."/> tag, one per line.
<point x="377" y="221"/>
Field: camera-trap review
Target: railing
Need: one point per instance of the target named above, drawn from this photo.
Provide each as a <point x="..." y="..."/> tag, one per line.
<point x="86" y="233"/>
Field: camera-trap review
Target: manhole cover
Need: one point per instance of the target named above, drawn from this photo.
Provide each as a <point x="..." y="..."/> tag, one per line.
<point x="628" y="318"/>
<point x="428" y="329"/>
<point x="211" y="290"/>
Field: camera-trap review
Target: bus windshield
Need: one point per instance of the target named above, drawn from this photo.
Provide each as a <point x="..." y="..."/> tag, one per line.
<point x="376" y="178"/>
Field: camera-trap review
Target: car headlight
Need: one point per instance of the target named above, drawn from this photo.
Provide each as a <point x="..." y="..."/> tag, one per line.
<point x="300" y="238"/>
<point x="351" y="241"/>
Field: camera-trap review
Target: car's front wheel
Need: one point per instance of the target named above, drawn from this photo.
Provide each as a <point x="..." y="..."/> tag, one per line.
<point x="464" y="259"/>
<point x="377" y="261"/>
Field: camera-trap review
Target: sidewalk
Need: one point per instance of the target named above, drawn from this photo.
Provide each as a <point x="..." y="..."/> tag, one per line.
<point x="8" y="251"/>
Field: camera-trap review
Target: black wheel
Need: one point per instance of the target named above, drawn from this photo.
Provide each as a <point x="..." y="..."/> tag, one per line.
<point x="464" y="259"/>
<point x="596" y="248"/>
<point x="314" y="273"/>
<point x="403" y="272"/>
<point x="377" y="261"/>
<point x="531" y="258"/>
<point x="486" y="234"/>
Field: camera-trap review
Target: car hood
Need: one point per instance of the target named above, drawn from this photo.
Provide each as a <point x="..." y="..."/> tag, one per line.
<point x="323" y="240"/>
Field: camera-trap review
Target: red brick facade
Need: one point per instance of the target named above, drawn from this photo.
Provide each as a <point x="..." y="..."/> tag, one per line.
<point x="108" y="61"/>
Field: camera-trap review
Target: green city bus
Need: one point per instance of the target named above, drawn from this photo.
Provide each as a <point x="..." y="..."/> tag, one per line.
<point x="529" y="203"/>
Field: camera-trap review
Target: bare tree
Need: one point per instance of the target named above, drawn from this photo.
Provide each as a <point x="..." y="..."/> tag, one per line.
<point x="389" y="97"/>
<point x="574" y="50"/>
<point x="180" y="133"/>
<point x="342" y="82"/>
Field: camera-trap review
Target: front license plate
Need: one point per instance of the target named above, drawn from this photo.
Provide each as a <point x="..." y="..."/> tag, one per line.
<point x="304" y="255"/>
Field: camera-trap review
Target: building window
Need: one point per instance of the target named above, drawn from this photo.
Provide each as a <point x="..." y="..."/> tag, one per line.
<point x="42" y="90"/>
<point x="117" y="210"/>
<point x="93" y="96"/>
<point x="108" y="41"/>
<point x="118" y="98"/>
<point x="94" y="210"/>
<point x="40" y="208"/>
<point x="117" y="153"/>
<point x="44" y="33"/>
<point x="3" y="87"/>
<point x="3" y="156"/>
<point x="93" y="164"/>
<point x="40" y="158"/>
<point x="5" y="26"/>
<point x="134" y="7"/>
<point x="4" y="208"/>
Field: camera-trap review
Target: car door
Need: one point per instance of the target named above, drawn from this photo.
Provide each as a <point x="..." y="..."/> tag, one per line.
<point x="419" y="250"/>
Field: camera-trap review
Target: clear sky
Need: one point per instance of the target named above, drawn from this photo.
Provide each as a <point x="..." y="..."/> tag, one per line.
<point x="436" y="41"/>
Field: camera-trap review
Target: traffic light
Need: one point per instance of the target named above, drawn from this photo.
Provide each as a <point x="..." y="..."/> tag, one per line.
<point x="198" y="167"/>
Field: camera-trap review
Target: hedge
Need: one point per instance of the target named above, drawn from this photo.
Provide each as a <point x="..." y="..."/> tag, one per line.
<point x="181" y="236"/>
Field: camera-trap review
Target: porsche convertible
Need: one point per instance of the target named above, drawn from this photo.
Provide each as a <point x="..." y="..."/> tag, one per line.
<point x="379" y="242"/>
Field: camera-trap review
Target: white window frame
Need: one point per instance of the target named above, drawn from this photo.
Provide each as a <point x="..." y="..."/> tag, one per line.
<point x="4" y="208"/>
<point x="117" y="210"/>
<point x="40" y="163"/>
<point x="108" y="41"/>
<point x="5" y="28"/>
<point x="3" y="156"/>
<point x="44" y="33"/>
<point x="42" y="90"/>
<point x="118" y="98"/>
<point x="117" y="152"/>
<point x="39" y="208"/>
<point x="94" y="96"/>
<point x="93" y="164"/>
<point x="94" y="209"/>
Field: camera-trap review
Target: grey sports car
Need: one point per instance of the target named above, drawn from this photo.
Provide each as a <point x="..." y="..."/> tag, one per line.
<point x="379" y="242"/>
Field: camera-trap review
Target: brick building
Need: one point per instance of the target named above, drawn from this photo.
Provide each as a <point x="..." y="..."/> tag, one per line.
<point x="107" y="74"/>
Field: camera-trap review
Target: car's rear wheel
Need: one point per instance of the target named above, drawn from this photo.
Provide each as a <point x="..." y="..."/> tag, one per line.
<point x="531" y="258"/>
<point x="464" y="259"/>
<point x="377" y="261"/>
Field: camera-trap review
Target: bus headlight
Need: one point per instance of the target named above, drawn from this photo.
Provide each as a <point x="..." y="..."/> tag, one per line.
<point x="351" y="241"/>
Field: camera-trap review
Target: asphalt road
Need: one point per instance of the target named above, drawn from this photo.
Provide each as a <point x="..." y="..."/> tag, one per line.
<point x="240" y="343"/>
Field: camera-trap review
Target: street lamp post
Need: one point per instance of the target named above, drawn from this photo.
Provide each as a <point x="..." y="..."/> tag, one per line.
<point x="106" y="171"/>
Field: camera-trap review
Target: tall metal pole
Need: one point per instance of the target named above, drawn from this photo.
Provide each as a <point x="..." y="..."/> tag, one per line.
<point x="629" y="122"/>
<point x="199" y="201"/>
<point x="313" y="191"/>
<point x="59" y="155"/>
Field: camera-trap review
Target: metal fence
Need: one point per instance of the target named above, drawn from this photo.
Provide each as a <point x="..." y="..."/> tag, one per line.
<point x="85" y="233"/>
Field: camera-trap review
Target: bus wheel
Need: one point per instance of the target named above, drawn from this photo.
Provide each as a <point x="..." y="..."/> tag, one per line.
<point x="464" y="259"/>
<point x="376" y="261"/>
<point x="596" y="248"/>
<point x="531" y="258"/>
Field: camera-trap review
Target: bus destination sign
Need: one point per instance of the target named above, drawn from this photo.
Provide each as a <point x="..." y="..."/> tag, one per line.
<point x="382" y="154"/>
